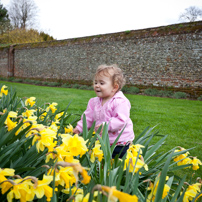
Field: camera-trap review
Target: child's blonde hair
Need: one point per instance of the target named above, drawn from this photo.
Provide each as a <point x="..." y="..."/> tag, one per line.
<point x="114" y="72"/>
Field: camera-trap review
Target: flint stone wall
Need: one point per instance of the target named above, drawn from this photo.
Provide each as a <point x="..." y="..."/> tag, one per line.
<point x="162" y="56"/>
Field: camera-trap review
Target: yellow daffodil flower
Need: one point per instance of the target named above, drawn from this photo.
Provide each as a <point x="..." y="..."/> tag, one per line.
<point x="41" y="188"/>
<point x="130" y="159"/>
<point x="58" y="116"/>
<point x="74" y="190"/>
<point x="153" y="188"/>
<point x="19" y="190"/>
<point x="81" y="198"/>
<point x="191" y="192"/>
<point x="65" y="177"/>
<point x="69" y="129"/>
<point x="52" y="107"/>
<point x="28" y="113"/>
<point x="195" y="162"/>
<point x="6" y="185"/>
<point x="30" y="101"/>
<point x="10" y="124"/>
<point x="96" y="152"/>
<point x="114" y="194"/>
<point x="3" y="91"/>
<point x="76" y="145"/>
<point x="45" y="139"/>
<point x="60" y="154"/>
<point x="134" y="149"/>
<point x="77" y="168"/>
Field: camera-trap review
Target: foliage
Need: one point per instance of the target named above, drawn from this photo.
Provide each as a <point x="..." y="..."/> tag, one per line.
<point x="78" y="166"/>
<point x="179" y="95"/>
<point x="133" y="90"/>
<point x="200" y="97"/>
<point x="4" y="20"/>
<point x="46" y="37"/>
<point x="21" y="36"/>
<point x="3" y="14"/>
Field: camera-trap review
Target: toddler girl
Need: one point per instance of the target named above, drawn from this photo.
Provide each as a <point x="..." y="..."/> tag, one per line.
<point x="111" y="107"/>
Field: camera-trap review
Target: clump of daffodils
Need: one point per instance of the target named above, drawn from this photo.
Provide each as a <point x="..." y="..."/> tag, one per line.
<point x="133" y="160"/>
<point x="184" y="159"/>
<point x="64" y="157"/>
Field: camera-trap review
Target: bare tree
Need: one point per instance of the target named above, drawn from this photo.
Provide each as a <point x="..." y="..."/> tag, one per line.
<point x="23" y="13"/>
<point x="191" y="14"/>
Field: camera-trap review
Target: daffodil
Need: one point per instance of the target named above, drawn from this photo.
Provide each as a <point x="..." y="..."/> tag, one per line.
<point x="11" y="124"/>
<point x="3" y="174"/>
<point x="41" y="188"/>
<point x="64" y="176"/>
<point x="45" y="139"/>
<point x="96" y="152"/>
<point x="81" y="198"/>
<point x="134" y="149"/>
<point x="52" y="107"/>
<point x="28" y="113"/>
<point x="30" y="101"/>
<point x="19" y="190"/>
<point x="153" y="188"/>
<point x="77" y="168"/>
<point x="60" y="154"/>
<point x="191" y="192"/>
<point x="195" y="162"/>
<point x="3" y="91"/>
<point x="131" y="160"/>
<point x="75" y="144"/>
<point x="58" y="116"/>
<point x="69" y="129"/>
<point x="114" y="194"/>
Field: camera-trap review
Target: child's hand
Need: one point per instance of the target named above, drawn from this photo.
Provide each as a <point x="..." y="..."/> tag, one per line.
<point x="76" y="131"/>
<point x="97" y="127"/>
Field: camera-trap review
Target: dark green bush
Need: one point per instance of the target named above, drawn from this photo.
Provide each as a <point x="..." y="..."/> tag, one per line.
<point x="151" y="91"/>
<point x="66" y="85"/>
<point x="179" y="95"/>
<point x="133" y="90"/>
<point x="200" y="98"/>
<point x="18" y="80"/>
<point x="76" y="86"/>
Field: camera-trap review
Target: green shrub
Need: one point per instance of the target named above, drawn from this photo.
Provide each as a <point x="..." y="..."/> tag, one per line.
<point x="133" y="90"/>
<point x="18" y="80"/>
<point x="76" y="86"/>
<point x="37" y="82"/>
<point x="3" y="79"/>
<point x="165" y="93"/>
<point x="11" y="78"/>
<point x="151" y="91"/>
<point x="180" y="95"/>
<point x="84" y="87"/>
<point x="90" y="88"/>
<point x="199" y="98"/>
<point x="66" y="85"/>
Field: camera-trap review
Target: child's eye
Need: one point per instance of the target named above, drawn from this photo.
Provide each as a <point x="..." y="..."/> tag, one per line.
<point x="102" y="83"/>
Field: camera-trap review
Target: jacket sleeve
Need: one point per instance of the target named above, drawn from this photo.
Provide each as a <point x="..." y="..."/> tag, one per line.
<point x="89" y="116"/>
<point x="120" y="115"/>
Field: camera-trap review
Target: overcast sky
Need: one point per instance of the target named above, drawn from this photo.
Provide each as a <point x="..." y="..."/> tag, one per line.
<point x="65" y="19"/>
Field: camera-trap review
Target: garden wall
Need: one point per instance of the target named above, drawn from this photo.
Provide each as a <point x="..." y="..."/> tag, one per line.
<point x="162" y="56"/>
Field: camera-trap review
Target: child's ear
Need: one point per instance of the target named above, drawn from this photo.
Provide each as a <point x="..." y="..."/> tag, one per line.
<point x="116" y="87"/>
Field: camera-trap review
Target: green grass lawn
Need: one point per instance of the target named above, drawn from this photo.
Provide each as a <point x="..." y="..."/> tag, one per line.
<point x="180" y="119"/>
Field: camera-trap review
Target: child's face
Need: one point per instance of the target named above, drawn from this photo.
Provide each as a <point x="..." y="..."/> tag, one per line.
<point x="103" y="86"/>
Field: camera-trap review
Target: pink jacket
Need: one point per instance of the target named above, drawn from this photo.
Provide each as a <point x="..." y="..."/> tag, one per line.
<point x="115" y="112"/>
